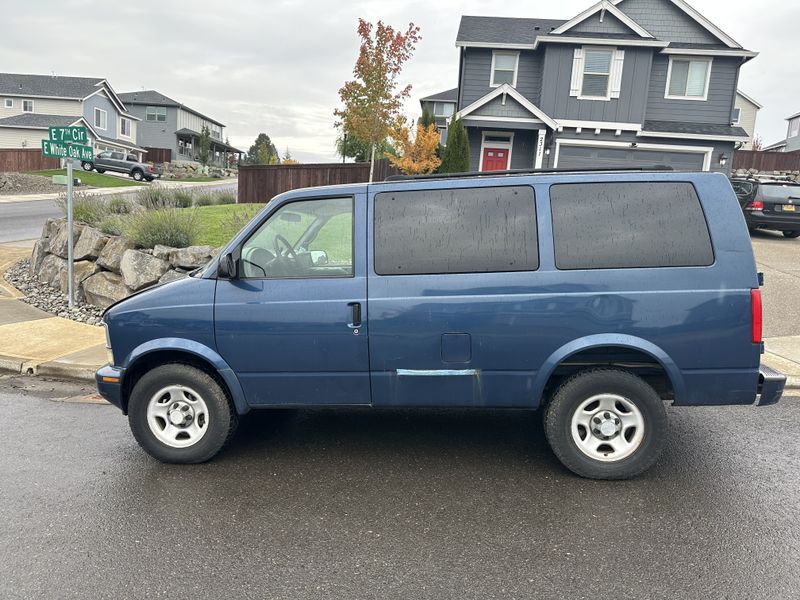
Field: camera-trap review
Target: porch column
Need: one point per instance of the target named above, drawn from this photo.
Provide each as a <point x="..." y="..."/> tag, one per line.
<point x="540" y="149"/>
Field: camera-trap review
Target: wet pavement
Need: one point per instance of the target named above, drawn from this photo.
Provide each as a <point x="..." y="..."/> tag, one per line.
<point x="390" y="504"/>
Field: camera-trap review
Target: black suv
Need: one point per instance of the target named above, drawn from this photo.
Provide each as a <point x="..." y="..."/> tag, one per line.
<point x="769" y="203"/>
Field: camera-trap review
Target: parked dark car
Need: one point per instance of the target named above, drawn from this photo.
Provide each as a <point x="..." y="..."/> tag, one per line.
<point x="769" y="203"/>
<point x="596" y="296"/>
<point x="120" y="162"/>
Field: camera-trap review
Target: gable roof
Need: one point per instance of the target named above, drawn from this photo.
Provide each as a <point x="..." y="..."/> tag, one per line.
<point x="446" y="96"/>
<point x="601" y="7"/>
<point x="507" y="89"/>
<point x="154" y="98"/>
<point x="42" y="121"/>
<point x="749" y="99"/>
<point x="48" y="86"/>
<point x="499" y="32"/>
<point x="702" y="21"/>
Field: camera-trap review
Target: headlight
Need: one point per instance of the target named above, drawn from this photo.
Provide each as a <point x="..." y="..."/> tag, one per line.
<point x="109" y="351"/>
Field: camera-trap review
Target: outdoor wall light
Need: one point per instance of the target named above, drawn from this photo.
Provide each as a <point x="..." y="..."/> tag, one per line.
<point x="634" y="145"/>
<point x="547" y="151"/>
<point x="723" y="159"/>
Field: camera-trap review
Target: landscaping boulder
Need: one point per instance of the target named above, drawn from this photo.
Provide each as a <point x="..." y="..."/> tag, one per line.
<point x="50" y="269"/>
<point x="80" y="271"/>
<point x="191" y="257"/>
<point x="141" y="270"/>
<point x="172" y="275"/>
<point x="59" y="240"/>
<point x="104" y="289"/>
<point x="50" y="227"/>
<point x="37" y="256"/>
<point x="163" y="252"/>
<point x="90" y="244"/>
<point x="111" y="256"/>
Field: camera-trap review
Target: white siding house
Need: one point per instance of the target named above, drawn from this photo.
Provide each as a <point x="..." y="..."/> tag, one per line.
<point x="745" y="114"/>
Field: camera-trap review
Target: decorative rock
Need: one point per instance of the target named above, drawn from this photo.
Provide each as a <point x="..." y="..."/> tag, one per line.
<point x="59" y="240"/>
<point x="171" y="276"/>
<point x="90" y="244"/>
<point x="191" y="257"/>
<point x="80" y="271"/>
<point x="163" y="252"/>
<point x="104" y="289"/>
<point x="111" y="256"/>
<point x="37" y="256"/>
<point x="50" y="269"/>
<point x="140" y="270"/>
<point x="50" y="227"/>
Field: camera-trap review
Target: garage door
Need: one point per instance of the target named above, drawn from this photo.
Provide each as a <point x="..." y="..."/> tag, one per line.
<point x="584" y="157"/>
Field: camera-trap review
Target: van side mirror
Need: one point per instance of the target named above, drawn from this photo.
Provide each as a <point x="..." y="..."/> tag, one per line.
<point x="228" y="267"/>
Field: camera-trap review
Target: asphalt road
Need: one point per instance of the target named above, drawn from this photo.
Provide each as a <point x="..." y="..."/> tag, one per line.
<point x="779" y="259"/>
<point x="391" y="504"/>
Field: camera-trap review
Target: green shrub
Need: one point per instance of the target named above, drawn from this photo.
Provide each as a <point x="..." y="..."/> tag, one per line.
<point x="155" y="198"/>
<point x="119" y="205"/>
<point x="205" y="200"/>
<point x="86" y="208"/>
<point x="113" y="225"/>
<point x="215" y="198"/>
<point x="226" y="197"/>
<point x="182" y="198"/>
<point x="176" y="228"/>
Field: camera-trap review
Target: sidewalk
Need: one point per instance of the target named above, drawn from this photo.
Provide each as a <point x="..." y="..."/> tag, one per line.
<point x="167" y="183"/>
<point x="36" y="343"/>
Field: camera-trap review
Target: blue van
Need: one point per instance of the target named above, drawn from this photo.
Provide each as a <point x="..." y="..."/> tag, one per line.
<point x="596" y="296"/>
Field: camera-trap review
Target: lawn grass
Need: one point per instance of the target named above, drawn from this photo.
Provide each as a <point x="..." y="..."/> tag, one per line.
<point x="218" y="224"/>
<point x="90" y="178"/>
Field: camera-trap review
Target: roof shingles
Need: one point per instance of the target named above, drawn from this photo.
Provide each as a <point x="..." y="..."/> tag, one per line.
<point x="53" y="86"/>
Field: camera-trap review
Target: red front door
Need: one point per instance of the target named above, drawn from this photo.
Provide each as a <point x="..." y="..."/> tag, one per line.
<point x="495" y="159"/>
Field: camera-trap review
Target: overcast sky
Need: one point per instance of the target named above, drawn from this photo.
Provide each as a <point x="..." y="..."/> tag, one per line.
<point x="276" y="65"/>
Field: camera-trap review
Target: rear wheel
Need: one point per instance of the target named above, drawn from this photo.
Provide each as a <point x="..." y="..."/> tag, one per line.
<point x="606" y="424"/>
<point x="792" y="234"/>
<point x="101" y="171"/>
<point x="87" y="166"/>
<point x="137" y="175"/>
<point x="180" y="414"/>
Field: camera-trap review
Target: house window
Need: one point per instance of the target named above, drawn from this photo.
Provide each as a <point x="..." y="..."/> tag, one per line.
<point x="504" y="68"/>
<point x="737" y="114"/>
<point x="156" y="113"/>
<point x="125" y="127"/>
<point x="27" y="106"/>
<point x="100" y="118"/>
<point x="794" y="127"/>
<point x="443" y="109"/>
<point x="9" y="103"/>
<point x="596" y="72"/>
<point x="687" y="79"/>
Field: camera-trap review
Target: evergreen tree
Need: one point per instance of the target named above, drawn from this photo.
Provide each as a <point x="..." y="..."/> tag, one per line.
<point x="456" y="153"/>
<point x="427" y="118"/>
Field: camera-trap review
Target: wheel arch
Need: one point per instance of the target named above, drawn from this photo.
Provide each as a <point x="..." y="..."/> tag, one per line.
<point x="167" y="350"/>
<point x="600" y="341"/>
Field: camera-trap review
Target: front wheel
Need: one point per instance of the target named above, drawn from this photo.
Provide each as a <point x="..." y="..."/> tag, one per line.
<point x="180" y="414"/>
<point x="101" y="171"/>
<point x="606" y="424"/>
<point x="792" y="234"/>
<point x="87" y="166"/>
<point x="137" y="175"/>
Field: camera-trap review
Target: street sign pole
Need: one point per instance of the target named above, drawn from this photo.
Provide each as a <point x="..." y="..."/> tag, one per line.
<point x="70" y="293"/>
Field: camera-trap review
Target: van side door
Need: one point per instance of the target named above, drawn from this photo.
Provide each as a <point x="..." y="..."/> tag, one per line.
<point x="293" y="324"/>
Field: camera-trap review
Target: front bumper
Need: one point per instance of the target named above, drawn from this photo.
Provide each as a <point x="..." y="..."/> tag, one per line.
<point x="109" y="385"/>
<point x="770" y="385"/>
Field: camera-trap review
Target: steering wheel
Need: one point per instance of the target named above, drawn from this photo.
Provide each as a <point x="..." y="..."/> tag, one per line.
<point x="290" y="253"/>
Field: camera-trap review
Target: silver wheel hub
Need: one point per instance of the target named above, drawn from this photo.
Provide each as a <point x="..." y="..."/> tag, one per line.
<point x="607" y="427"/>
<point x="177" y="416"/>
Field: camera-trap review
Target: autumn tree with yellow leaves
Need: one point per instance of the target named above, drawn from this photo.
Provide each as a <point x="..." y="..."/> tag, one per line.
<point x="416" y="156"/>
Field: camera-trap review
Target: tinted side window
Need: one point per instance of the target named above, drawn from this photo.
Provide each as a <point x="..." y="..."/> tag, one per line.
<point x="626" y="225"/>
<point x="474" y="230"/>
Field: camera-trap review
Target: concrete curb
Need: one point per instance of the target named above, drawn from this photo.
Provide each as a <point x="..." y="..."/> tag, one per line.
<point x="21" y="366"/>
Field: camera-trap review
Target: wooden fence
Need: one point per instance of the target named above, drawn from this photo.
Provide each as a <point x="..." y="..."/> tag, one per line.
<point x="158" y="155"/>
<point x="766" y="161"/>
<point x="20" y="160"/>
<point x="260" y="183"/>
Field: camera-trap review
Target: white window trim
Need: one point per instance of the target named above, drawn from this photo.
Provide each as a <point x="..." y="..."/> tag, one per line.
<point x="105" y="113"/>
<point x="9" y="103"/>
<point x="789" y="133"/>
<point x="33" y="107"/>
<point x="509" y="145"/>
<point x="610" y="74"/>
<point x="516" y="68"/>
<point x="736" y="119"/>
<point x="130" y="128"/>
<point x="705" y="59"/>
<point x="442" y="102"/>
<point x="705" y="150"/>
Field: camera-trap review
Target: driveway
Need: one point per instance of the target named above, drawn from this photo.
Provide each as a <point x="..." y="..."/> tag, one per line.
<point x="391" y="504"/>
<point x="779" y="259"/>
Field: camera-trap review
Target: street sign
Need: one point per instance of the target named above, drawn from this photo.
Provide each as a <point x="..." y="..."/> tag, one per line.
<point x="65" y="150"/>
<point x="72" y="135"/>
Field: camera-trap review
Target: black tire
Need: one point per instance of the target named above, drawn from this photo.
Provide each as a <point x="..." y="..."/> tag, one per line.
<point x="87" y="166"/>
<point x="792" y="234"/>
<point x="586" y="384"/>
<point x="149" y="179"/>
<point x="137" y="174"/>
<point x="222" y="419"/>
<point x="101" y="171"/>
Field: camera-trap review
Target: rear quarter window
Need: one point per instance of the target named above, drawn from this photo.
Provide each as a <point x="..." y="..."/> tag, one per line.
<point x="629" y="225"/>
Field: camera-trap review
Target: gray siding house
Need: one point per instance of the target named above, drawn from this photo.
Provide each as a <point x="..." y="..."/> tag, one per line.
<point x="29" y="104"/>
<point x="624" y="83"/>
<point x="171" y="131"/>
<point x="441" y="106"/>
<point x="792" y="141"/>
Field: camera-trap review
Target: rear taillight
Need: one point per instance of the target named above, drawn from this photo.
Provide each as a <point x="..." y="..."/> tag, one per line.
<point x="754" y="205"/>
<point x="151" y="168"/>
<point x="757" y="321"/>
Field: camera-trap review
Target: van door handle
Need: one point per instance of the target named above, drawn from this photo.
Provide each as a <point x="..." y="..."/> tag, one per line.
<point x="355" y="315"/>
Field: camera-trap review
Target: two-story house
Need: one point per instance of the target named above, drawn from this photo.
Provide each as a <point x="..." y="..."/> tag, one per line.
<point x="625" y="83"/>
<point x="792" y="141"/>
<point x="441" y="106"/>
<point x="29" y="104"/>
<point x="745" y="114"/>
<point x="171" y="131"/>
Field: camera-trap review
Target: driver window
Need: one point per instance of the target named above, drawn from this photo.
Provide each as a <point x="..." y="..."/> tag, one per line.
<point x="306" y="239"/>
